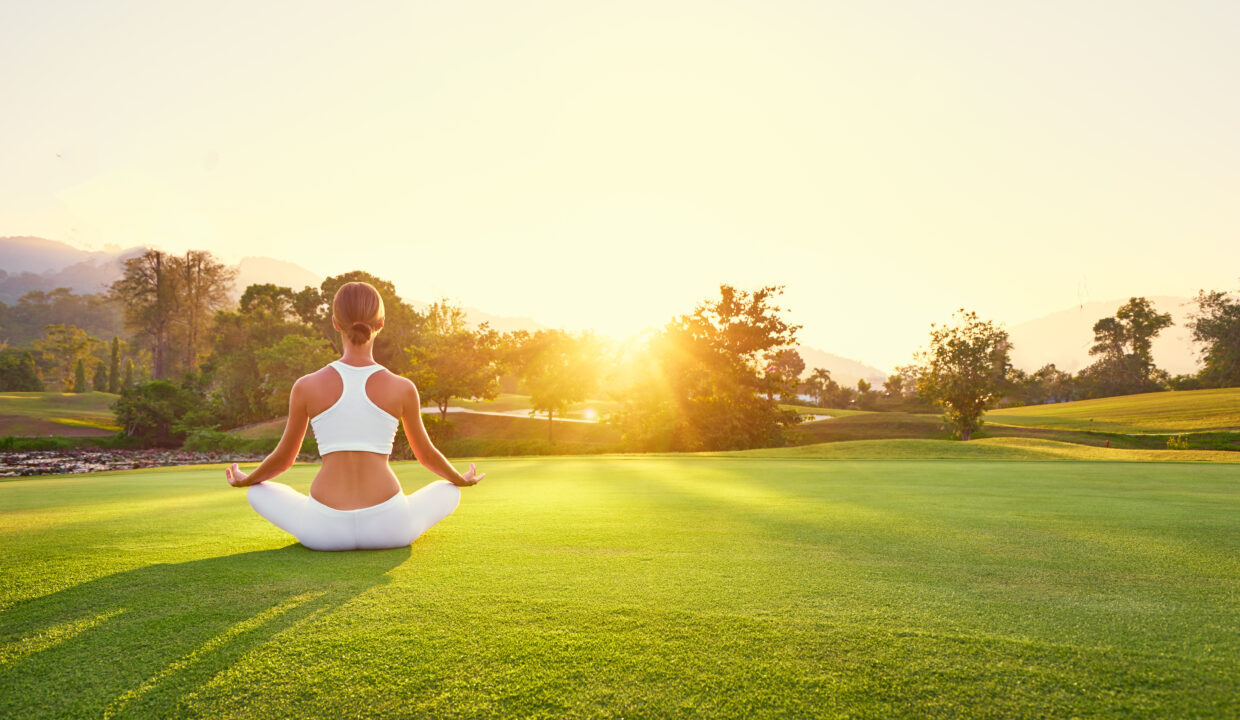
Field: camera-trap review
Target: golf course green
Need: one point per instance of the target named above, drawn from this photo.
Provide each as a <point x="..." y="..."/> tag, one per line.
<point x="640" y="586"/>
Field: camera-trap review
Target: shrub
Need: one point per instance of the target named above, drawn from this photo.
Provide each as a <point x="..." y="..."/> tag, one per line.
<point x="1177" y="442"/>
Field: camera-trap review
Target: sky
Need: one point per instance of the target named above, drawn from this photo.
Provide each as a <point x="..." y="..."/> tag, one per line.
<point x="607" y="165"/>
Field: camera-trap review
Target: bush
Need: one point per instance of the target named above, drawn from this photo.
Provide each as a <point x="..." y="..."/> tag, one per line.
<point x="151" y="412"/>
<point x="211" y="440"/>
<point x="440" y="431"/>
<point x="10" y="443"/>
<point x="1177" y="442"/>
<point x="18" y="372"/>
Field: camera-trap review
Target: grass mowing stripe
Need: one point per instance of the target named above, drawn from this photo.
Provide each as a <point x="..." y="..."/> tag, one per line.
<point x="653" y="587"/>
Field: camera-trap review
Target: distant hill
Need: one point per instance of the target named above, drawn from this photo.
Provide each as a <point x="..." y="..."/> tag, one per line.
<point x="1064" y="337"/>
<point x="31" y="263"/>
<point x="258" y="270"/>
<point x="843" y="370"/>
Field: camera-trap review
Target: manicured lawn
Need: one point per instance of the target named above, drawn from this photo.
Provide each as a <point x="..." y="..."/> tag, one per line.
<point x="55" y="413"/>
<point x="1162" y="412"/>
<point x="681" y="586"/>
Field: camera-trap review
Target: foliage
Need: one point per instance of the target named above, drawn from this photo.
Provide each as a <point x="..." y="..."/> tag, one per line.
<point x="169" y="301"/>
<point x="99" y="382"/>
<point x="401" y="327"/>
<point x="114" y="366"/>
<point x="18" y="371"/>
<point x="280" y="365"/>
<point x="783" y="373"/>
<point x="1122" y="344"/>
<point x="702" y="382"/>
<point x="79" y="377"/>
<point x="59" y="350"/>
<point x="97" y="314"/>
<point x="1177" y="442"/>
<point x="151" y="412"/>
<point x="451" y="360"/>
<point x="963" y="369"/>
<point x="559" y="369"/>
<point x="1216" y="326"/>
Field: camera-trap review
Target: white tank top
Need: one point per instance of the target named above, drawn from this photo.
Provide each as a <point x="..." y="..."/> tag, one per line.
<point x="354" y="422"/>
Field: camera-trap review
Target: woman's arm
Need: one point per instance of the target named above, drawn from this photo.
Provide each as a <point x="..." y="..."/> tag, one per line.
<point x="282" y="457"/>
<point x="424" y="450"/>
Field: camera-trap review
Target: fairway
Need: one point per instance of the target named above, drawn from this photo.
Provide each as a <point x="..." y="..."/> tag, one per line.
<point x="1159" y="412"/>
<point x="672" y="586"/>
<point x="56" y="413"/>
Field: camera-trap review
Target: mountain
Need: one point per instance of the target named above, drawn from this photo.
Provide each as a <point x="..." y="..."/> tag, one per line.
<point x="1064" y="337"/>
<point x="25" y="254"/>
<point x="259" y="270"/>
<point x="30" y="263"/>
<point x="843" y="370"/>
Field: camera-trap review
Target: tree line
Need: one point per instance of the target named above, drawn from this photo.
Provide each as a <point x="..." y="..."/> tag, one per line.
<point x="713" y="378"/>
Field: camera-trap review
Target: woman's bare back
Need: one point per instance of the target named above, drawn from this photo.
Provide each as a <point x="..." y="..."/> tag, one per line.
<point x="350" y="479"/>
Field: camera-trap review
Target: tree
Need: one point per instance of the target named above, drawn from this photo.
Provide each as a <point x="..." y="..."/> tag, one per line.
<point x="148" y="292"/>
<point x="783" y="373"/>
<point x="18" y="371"/>
<point x="894" y="386"/>
<point x="61" y="347"/>
<point x="100" y="378"/>
<point x="867" y="396"/>
<point x="1123" y="345"/>
<point x="150" y="411"/>
<point x="559" y="369"/>
<point x="114" y="380"/>
<point x="204" y="284"/>
<point x="1216" y="327"/>
<point x="704" y="385"/>
<point x="451" y="360"/>
<point x="280" y="365"/>
<point x="963" y="369"/>
<point x="401" y="326"/>
<point x="128" y="380"/>
<point x="818" y="384"/>
<point x="79" y="377"/>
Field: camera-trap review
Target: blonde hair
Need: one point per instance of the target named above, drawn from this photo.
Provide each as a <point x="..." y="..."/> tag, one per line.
<point x="358" y="310"/>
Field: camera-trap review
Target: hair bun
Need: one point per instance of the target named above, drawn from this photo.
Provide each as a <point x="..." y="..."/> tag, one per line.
<point x="363" y="327"/>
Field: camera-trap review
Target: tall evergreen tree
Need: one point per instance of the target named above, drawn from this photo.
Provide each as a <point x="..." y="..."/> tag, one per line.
<point x="114" y="379"/>
<point x="100" y="378"/>
<point x="128" y="381"/>
<point x="79" y="377"/>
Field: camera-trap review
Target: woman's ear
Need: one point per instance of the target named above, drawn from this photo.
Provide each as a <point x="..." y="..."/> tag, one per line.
<point x="379" y="325"/>
<point x="336" y="324"/>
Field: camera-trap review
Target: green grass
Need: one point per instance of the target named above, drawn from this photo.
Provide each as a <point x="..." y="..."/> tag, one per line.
<point x="997" y="448"/>
<point x="508" y="402"/>
<point x="815" y="410"/>
<point x="55" y="413"/>
<point x="672" y="586"/>
<point x="1162" y="412"/>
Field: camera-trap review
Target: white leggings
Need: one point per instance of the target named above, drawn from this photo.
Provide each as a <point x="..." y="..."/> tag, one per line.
<point x="393" y="523"/>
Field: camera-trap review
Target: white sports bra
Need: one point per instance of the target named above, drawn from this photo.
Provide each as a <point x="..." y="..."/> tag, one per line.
<point x="354" y="422"/>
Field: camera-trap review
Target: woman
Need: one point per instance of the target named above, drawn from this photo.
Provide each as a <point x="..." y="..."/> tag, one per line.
<point x="354" y="405"/>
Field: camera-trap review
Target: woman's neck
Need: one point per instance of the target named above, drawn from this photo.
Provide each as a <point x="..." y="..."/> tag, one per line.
<point x="358" y="354"/>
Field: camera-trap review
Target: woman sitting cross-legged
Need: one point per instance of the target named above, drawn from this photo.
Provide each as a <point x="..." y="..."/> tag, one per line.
<point x="355" y="406"/>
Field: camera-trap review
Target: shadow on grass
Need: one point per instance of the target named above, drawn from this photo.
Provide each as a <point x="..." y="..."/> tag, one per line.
<point x="139" y="643"/>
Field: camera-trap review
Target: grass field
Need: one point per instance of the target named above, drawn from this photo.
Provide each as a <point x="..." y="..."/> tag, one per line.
<point x="1162" y="412"/>
<point x="656" y="586"/>
<point x="55" y="413"/>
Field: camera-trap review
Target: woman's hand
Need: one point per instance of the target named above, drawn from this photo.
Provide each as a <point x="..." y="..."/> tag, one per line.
<point x="236" y="478"/>
<point x="471" y="477"/>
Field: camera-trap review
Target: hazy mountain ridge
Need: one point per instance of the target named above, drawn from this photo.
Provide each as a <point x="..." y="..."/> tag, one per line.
<point x="844" y="371"/>
<point x="1064" y="337"/>
<point x="33" y="263"/>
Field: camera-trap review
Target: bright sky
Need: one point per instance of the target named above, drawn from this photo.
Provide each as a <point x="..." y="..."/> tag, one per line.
<point x="609" y="164"/>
